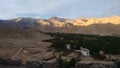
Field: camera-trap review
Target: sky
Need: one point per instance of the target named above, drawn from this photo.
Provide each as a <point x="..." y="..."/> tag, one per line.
<point x="61" y="8"/>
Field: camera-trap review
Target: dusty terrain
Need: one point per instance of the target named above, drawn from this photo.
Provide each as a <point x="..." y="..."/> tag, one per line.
<point x="20" y="38"/>
<point x="33" y="48"/>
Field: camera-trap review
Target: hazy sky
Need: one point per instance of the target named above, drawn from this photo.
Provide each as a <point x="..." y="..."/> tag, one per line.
<point x="61" y="8"/>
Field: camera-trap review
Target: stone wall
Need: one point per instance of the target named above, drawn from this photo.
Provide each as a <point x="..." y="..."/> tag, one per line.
<point x="8" y="61"/>
<point x="95" y="64"/>
<point x="51" y="64"/>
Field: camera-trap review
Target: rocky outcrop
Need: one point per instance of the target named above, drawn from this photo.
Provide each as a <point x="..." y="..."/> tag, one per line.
<point x="101" y="26"/>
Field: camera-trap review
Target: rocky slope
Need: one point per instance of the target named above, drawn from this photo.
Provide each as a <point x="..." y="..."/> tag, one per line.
<point x="29" y="26"/>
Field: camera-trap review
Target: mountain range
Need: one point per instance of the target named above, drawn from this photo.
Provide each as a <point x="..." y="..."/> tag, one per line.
<point x="27" y="27"/>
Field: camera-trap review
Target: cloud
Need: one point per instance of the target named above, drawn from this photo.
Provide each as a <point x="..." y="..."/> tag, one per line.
<point x="113" y="9"/>
<point x="61" y="8"/>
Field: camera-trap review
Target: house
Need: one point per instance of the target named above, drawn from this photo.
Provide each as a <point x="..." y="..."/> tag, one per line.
<point x="68" y="46"/>
<point x="84" y="51"/>
<point x="102" y="53"/>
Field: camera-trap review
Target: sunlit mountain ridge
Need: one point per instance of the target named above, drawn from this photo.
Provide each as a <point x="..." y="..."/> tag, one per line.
<point x="101" y="26"/>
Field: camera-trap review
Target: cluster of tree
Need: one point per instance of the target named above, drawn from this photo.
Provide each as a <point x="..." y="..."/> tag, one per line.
<point x="67" y="64"/>
<point x="95" y="43"/>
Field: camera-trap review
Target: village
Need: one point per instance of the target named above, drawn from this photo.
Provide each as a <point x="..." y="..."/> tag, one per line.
<point x="56" y="52"/>
<point x="52" y="60"/>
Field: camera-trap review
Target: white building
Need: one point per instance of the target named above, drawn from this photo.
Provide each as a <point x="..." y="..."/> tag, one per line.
<point x="84" y="51"/>
<point x="68" y="46"/>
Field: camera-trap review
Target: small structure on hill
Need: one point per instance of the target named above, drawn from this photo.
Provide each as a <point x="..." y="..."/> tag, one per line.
<point x="68" y="46"/>
<point x="102" y="53"/>
<point x="84" y="51"/>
